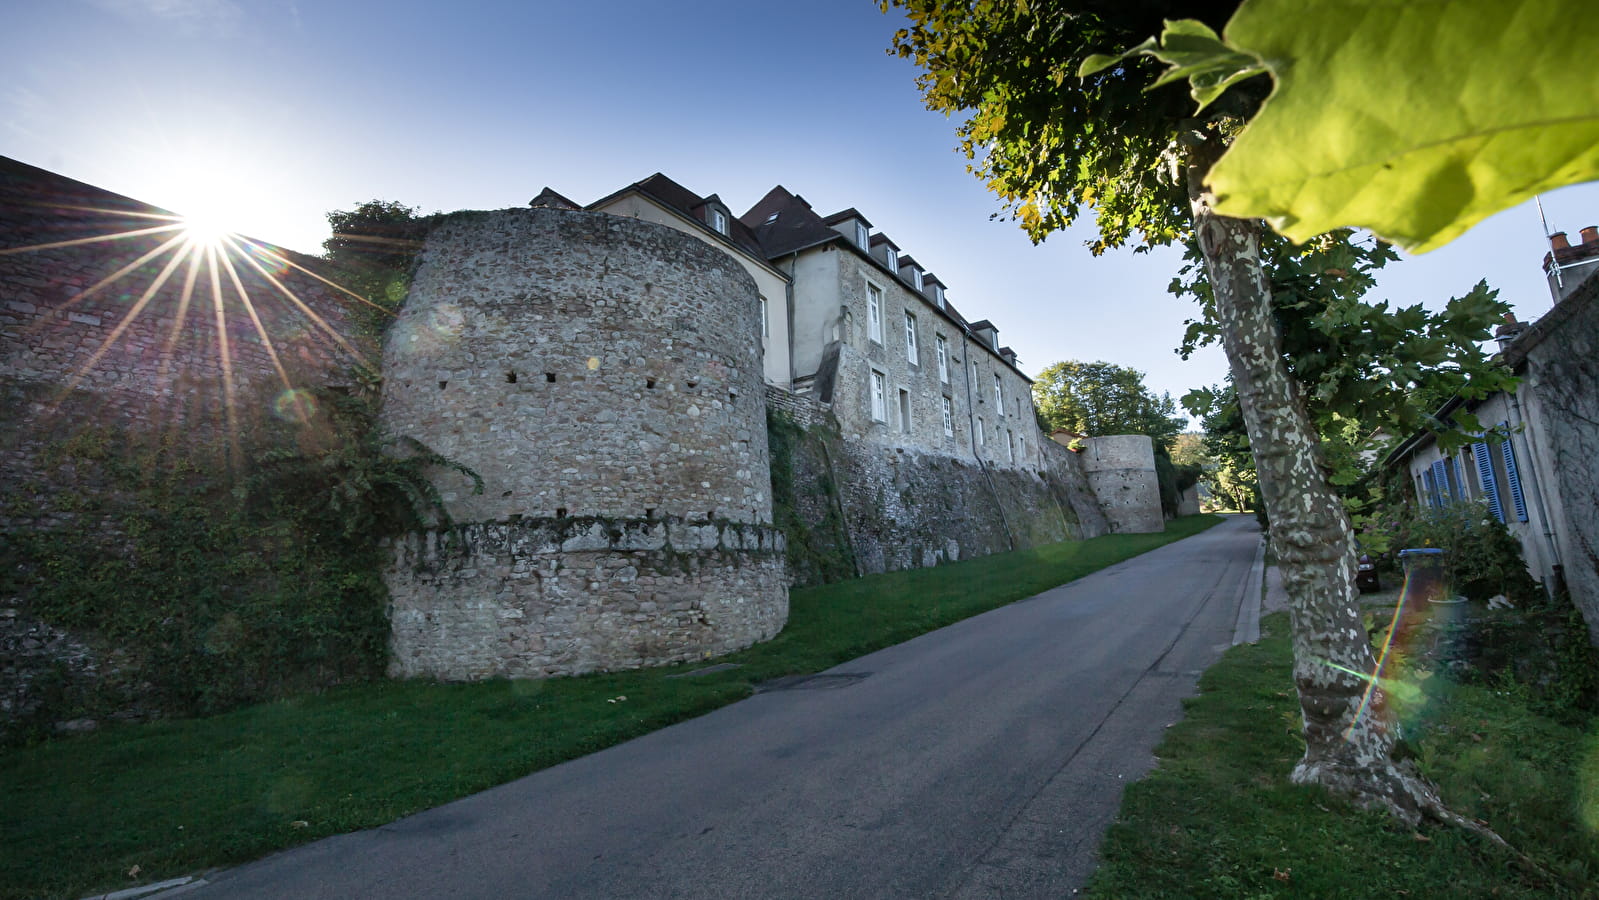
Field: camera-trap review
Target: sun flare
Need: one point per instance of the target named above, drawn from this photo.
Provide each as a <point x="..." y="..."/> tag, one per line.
<point x="204" y="230"/>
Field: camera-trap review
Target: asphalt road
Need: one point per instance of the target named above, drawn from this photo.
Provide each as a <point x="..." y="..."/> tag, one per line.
<point x="981" y="760"/>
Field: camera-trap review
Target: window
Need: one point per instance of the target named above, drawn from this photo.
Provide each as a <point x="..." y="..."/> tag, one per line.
<point x="1489" y="478"/>
<point x="980" y="438"/>
<point x="1010" y="444"/>
<point x="879" y="398"/>
<point x="910" y="340"/>
<point x="719" y="220"/>
<point x="874" y="312"/>
<point x="1512" y="475"/>
<point x="766" y="322"/>
<point x="904" y="410"/>
<point x="892" y="256"/>
<point x="861" y="236"/>
<point x="938" y="294"/>
<point x="949" y="417"/>
<point x="916" y="277"/>
<point x="999" y="396"/>
<point x="942" y="348"/>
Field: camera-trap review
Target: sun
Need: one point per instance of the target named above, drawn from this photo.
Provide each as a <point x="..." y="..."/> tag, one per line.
<point x="203" y="230"/>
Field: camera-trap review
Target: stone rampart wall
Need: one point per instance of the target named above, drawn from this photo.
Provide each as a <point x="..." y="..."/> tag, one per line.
<point x="904" y="509"/>
<point x="567" y="596"/>
<point x="1121" y="472"/>
<point x="596" y="369"/>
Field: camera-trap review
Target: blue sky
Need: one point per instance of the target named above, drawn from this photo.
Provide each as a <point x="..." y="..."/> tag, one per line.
<point x="268" y="114"/>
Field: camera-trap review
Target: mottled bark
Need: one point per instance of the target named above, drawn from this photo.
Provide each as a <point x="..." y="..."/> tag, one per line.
<point x="1348" y="749"/>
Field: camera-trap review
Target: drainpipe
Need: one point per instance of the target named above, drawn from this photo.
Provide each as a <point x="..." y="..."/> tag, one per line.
<point x="788" y="292"/>
<point x="1537" y="493"/>
<point x="971" y="428"/>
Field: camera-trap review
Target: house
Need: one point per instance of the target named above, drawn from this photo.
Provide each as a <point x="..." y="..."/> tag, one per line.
<point x="1541" y="479"/>
<point x="850" y="319"/>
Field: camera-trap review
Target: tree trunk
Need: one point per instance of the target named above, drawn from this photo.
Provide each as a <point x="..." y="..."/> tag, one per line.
<point x="1349" y="736"/>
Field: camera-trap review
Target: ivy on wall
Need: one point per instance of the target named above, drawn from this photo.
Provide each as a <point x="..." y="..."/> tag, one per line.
<point x="818" y="544"/>
<point x="211" y="572"/>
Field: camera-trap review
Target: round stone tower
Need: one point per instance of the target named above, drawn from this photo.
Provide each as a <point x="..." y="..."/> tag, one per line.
<point x="603" y="376"/>
<point x="1121" y="471"/>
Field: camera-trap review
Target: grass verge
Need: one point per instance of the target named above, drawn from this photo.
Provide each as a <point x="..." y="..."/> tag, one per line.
<point x="1218" y="818"/>
<point x="141" y="803"/>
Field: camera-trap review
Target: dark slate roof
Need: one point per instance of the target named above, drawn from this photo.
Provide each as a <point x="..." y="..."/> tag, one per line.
<point x="796" y="227"/>
<point x="980" y="324"/>
<point x="674" y="196"/>
<point x="550" y="198"/>
<point x="881" y="238"/>
<point x="907" y="260"/>
<point x="851" y="213"/>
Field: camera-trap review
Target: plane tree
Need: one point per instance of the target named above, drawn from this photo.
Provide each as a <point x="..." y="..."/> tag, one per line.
<point x="1127" y="144"/>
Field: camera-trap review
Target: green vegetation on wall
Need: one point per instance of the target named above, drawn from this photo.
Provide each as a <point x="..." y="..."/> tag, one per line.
<point x="818" y="544"/>
<point x="204" y="572"/>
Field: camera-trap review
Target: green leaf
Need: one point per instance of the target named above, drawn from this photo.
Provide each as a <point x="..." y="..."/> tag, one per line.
<point x="1414" y="119"/>
<point x="1194" y="52"/>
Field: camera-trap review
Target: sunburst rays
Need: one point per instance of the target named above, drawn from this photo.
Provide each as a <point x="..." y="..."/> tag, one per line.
<point x="195" y="279"/>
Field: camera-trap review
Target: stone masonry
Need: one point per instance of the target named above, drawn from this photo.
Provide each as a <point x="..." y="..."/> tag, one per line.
<point x="603" y="376"/>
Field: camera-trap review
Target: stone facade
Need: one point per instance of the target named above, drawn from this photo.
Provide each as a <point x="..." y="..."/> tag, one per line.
<point x="593" y="368"/>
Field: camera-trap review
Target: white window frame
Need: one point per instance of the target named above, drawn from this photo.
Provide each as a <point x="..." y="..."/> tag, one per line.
<point x="1010" y="444"/>
<point x="982" y="439"/>
<point x="892" y="255"/>
<point x="874" y="312"/>
<point x="766" y="321"/>
<point x="916" y="277"/>
<point x="949" y="417"/>
<point x="999" y="394"/>
<point x="879" y="391"/>
<point x="862" y="235"/>
<point x="941" y="344"/>
<point x="904" y="411"/>
<point x="938" y="292"/>
<point x="719" y="221"/>
<point x="912" y="351"/>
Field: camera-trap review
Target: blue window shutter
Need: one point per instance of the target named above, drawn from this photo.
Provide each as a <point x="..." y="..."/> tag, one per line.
<point x="1490" y="485"/>
<point x="1457" y="484"/>
<point x="1432" y="487"/>
<point x="1513" y="478"/>
<point x="1440" y="480"/>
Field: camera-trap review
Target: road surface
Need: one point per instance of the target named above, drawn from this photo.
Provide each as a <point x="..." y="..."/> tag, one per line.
<point x="981" y="760"/>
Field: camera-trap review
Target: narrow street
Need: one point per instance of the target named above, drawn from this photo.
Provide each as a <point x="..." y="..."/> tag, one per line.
<point x="981" y="760"/>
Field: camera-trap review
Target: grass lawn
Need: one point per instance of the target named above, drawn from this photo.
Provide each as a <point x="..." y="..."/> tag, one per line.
<point x="1218" y="818"/>
<point x="168" y="798"/>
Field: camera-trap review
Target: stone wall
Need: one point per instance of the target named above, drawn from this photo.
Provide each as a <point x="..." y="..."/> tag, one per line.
<point x="903" y="508"/>
<point x="595" y="368"/>
<point x="1121" y="472"/>
<point x="117" y="332"/>
<point x="566" y="596"/>
<point x="1561" y="397"/>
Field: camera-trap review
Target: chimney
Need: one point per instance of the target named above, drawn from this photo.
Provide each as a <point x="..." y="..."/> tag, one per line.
<point x="1590" y="235"/>
<point x="1506" y="334"/>
<point x="1557" y="241"/>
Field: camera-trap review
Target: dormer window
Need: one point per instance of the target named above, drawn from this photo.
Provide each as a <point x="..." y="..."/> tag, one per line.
<point x="861" y="234"/>
<point x="916" y="278"/>
<point x="938" y="294"/>
<point x="719" y="221"/>
<point x="893" y="258"/>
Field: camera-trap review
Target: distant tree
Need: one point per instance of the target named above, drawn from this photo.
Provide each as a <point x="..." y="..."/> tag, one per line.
<point x="1101" y="398"/>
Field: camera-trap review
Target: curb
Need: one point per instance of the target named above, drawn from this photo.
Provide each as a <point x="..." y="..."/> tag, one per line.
<point x="1247" y="628"/>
